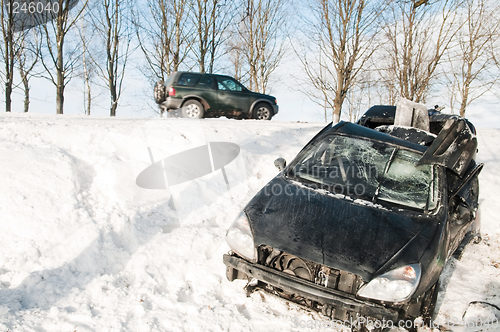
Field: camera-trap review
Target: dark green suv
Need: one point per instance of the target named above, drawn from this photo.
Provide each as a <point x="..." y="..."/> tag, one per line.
<point x="195" y="95"/>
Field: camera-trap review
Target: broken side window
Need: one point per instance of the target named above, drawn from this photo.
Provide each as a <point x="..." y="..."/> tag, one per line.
<point x="407" y="184"/>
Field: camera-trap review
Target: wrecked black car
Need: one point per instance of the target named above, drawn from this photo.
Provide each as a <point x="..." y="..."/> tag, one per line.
<point x="361" y="223"/>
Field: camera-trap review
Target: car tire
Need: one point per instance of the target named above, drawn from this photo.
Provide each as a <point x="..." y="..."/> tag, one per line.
<point x="262" y="111"/>
<point x="192" y="109"/>
<point x="160" y="93"/>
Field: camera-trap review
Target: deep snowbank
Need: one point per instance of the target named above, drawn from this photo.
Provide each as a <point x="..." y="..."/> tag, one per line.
<point x="84" y="248"/>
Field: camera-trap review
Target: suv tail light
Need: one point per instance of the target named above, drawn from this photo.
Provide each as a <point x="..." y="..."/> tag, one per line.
<point x="171" y="91"/>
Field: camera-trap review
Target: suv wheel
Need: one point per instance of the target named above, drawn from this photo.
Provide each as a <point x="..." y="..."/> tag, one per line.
<point x="262" y="111"/>
<point x="159" y="92"/>
<point x="192" y="109"/>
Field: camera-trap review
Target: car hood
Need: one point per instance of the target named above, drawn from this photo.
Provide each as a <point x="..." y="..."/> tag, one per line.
<point x="263" y="96"/>
<point x="354" y="236"/>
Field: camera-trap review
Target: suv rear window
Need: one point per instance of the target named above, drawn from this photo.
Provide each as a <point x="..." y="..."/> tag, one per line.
<point x="206" y="82"/>
<point x="188" y="79"/>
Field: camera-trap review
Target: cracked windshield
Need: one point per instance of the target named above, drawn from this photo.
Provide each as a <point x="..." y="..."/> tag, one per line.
<point x="369" y="170"/>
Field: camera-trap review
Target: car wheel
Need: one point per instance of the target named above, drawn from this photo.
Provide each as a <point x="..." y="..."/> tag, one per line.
<point x="262" y="111"/>
<point x="159" y="92"/>
<point x="192" y="109"/>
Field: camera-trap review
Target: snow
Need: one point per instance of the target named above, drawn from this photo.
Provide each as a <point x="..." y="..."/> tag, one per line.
<point x="85" y="249"/>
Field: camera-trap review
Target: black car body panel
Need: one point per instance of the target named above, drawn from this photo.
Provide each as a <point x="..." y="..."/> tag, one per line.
<point x="358" y="237"/>
<point x="454" y="147"/>
<point x="384" y="115"/>
<point x="348" y="235"/>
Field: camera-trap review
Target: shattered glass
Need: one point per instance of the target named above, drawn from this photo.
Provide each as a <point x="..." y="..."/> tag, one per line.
<point x="405" y="183"/>
<point x="369" y="170"/>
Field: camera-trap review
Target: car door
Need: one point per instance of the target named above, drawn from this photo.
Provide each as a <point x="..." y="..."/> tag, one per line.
<point x="208" y="91"/>
<point x="233" y="97"/>
<point x="463" y="205"/>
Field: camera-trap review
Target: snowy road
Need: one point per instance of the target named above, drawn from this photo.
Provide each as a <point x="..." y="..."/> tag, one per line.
<point x="86" y="249"/>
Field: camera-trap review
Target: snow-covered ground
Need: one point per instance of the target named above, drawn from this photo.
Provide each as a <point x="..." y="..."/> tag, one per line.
<point x="86" y="249"/>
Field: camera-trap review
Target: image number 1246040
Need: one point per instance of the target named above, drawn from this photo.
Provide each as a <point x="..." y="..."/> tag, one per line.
<point x="26" y="14"/>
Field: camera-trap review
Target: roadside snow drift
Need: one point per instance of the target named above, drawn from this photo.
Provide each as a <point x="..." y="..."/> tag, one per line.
<point x="84" y="248"/>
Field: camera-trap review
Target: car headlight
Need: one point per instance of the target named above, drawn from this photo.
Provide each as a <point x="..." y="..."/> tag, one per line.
<point x="240" y="239"/>
<point x="394" y="286"/>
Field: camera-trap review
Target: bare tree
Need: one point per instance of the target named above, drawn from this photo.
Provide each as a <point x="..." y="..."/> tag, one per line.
<point x="418" y="33"/>
<point x="318" y="85"/>
<point x="359" y="97"/>
<point x="388" y="87"/>
<point x="236" y="57"/>
<point x="111" y="22"/>
<point x="60" y="58"/>
<point x="87" y="34"/>
<point x="211" y="19"/>
<point x="261" y="31"/>
<point x="164" y="36"/>
<point x="472" y="72"/>
<point x="27" y="58"/>
<point x="9" y="49"/>
<point x="341" y="39"/>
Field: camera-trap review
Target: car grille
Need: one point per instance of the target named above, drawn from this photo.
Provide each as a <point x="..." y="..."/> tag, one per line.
<point x="339" y="280"/>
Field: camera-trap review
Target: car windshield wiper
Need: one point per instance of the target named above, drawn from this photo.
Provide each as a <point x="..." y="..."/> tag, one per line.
<point x="386" y="169"/>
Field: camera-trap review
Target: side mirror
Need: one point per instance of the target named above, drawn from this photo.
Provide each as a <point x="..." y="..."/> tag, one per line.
<point x="280" y="163"/>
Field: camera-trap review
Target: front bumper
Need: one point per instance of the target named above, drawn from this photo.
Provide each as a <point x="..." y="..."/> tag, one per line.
<point x="340" y="301"/>
<point x="276" y="109"/>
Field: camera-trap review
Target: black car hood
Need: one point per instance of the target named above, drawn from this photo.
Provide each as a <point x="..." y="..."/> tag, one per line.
<point x="354" y="236"/>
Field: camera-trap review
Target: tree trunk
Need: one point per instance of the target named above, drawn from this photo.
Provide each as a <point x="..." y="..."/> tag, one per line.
<point x="337" y="108"/>
<point x="339" y="91"/>
<point x="87" y="91"/>
<point x="59" y="95"/>
<point x="114" y="100"/>
<point x="202" y="62"/>
<point x="8" y="93"/>
<point x="466" y="89"/>
<point x="336" y="117"/>
<point x="26" y="94"/>
<point x="114" y="106"/>
<point x="89" y="97"/>
<point x="60" y="66"/>
<point x="9" y="63"/>
<point x="463" y="104"/>
<point x="9" y="73"/>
